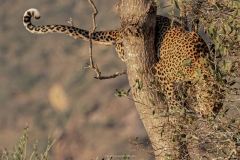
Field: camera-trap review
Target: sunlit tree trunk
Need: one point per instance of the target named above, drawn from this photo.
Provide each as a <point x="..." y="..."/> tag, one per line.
<point x="138" y="20"/>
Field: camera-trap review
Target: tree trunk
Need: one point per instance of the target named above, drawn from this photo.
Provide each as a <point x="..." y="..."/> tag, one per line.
<point x="138" y="20"/>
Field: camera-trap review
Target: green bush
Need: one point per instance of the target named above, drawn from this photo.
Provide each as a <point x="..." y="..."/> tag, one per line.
<point x="20" y="150"/>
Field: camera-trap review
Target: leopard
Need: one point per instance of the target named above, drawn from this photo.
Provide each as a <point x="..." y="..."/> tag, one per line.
<point x="174" y="45"/>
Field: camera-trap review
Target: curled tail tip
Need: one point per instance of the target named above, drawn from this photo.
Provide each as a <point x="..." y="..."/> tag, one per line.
<point x="33" y="12"/>
<point x="29" y="14"/>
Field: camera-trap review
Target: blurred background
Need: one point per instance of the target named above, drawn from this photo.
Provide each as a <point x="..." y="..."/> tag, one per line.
<point x="42" y="83"/>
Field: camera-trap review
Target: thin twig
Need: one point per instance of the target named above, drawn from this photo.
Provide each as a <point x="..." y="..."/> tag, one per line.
<point x="92" y="31"/>
<point x="231" y="154"/>
<point x="183" y="14"/>
<point x="166" y="6"/>
<point x="111" y="76"/>
<point x="91" y="65"/>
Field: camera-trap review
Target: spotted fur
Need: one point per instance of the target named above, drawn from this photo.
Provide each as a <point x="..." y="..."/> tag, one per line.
<point x="194" y="80"/>
<point x="174" y="45"/>
<point x="100" y="37"/>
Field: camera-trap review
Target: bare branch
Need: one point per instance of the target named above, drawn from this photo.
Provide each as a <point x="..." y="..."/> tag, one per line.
<point x="91" y="65"/>
<point x="196" y="12"/>
<point x="231" y="154"/>
<point x="92" y="31"/>
<point x="111" y="76"/>
<point x="183" y="14"/>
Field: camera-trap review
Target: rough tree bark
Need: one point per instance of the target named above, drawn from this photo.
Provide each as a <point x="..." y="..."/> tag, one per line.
<point x="138" y="20"/>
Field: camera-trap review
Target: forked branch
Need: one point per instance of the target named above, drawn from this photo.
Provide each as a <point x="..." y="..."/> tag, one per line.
<point x="91" y="32"/>
<point x="91" y="65"/>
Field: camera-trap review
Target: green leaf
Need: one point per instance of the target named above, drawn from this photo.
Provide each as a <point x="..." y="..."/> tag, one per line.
<point x="199" y="72"/>
<point x="153" y="112"/>
<point x="182" y="112"/>
<point x="184" y="139"/>
<point x="139" y="83"/>
<point x="211" y="71"/>
<point x="212" y="122"/>
<point x="216" y="7"/>
<point x="176" y="4"/>
<point x="121" y="92"/>
<point x="187" y="62"/>
<point x="224" y="30"/>
<point x="232" y="83"/>
<point x="129" y="90"/>
<point x="181" y="95"/>
<point x="169" y="75"/>
<point x="158" y="4"/>
<point x="229" y="91"/>
<point x="210" y="90"/>
<point x="161" y="133"/>
<point x="195" y="81"/>
<point x="118" y="93"/>
<point x="238" y="37"/>
<point x="195" y="141"/>
<point x="226" y="111"/>
<point x="157" y="117"/>
<point x="219" y="75"/>
<point x="212" y="30"/>
<point x="152" y="101"/>
<point x="235" y="13"/>
<point x="230" y="20"/>
<point x="125" y="156"/>
<point x="181" y="73"/>
<point x="216" y="43"/>
<point x="202" y="61"/>
<point x="233" y="120"/>
<point x="227" y="65"/>
<point x="150" y="98"/>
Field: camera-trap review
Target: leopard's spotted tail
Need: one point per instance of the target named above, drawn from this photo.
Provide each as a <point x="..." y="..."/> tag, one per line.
<point x="100" y="37"/>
